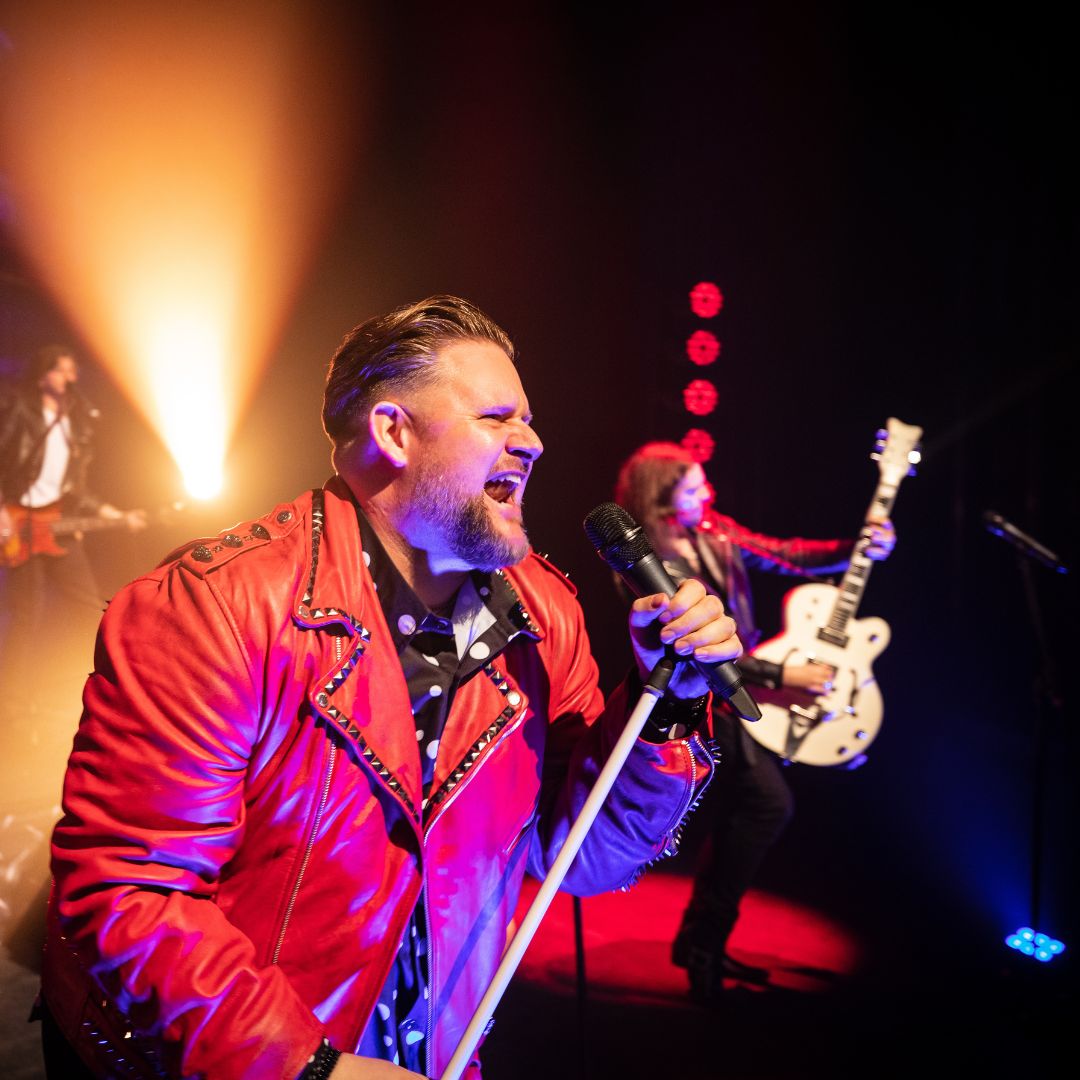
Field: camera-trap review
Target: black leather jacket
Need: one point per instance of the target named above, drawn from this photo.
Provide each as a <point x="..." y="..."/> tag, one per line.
<point x="22" y="450"/>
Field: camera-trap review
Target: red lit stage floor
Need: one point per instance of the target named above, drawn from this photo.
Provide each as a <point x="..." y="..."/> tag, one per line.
<point x="840" y="1004"/>
<point x="627" y="938"/>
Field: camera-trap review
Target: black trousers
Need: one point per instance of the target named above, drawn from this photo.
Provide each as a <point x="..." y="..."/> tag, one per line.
<point x="49" y="610"/>
<point x="748" y="804"/>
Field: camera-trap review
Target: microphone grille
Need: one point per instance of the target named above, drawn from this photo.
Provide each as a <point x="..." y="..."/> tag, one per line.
<point x="619" y="540"/>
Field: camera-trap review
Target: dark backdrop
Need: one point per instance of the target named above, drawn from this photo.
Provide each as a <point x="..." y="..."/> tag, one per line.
<point x="888" y="202"/>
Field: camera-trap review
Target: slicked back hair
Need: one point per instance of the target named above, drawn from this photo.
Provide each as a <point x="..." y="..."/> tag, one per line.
<point x="396" y="352"/>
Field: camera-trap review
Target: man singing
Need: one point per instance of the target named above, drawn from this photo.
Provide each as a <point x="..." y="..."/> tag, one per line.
<point x="319" y="751"/>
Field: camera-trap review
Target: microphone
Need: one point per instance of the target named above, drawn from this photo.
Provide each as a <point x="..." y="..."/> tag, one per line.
<point x="87" y="406"/>
<point x="621" y="542"/>
<point x="996" y="524"/>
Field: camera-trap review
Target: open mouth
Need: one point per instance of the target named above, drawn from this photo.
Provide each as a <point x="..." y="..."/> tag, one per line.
<point x="504" y="488"/>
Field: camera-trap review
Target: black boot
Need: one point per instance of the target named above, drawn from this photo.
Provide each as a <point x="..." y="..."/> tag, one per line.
<point x="701" y="952"/>
<point x="698" y="962"/>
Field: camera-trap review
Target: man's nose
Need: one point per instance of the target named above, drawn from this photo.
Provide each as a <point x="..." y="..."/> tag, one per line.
<point x="525" y="443"/>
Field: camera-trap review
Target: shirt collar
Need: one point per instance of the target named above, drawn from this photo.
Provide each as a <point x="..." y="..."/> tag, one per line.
<point x="486" y="600"/>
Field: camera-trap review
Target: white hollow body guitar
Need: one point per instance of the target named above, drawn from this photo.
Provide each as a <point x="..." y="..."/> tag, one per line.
<point x="819" y="627"/>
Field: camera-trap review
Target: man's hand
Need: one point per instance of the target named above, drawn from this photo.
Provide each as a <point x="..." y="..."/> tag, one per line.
<point x="693" y="623"/>
<point x="882" y="540"/>
<point x="351" y="1067"/>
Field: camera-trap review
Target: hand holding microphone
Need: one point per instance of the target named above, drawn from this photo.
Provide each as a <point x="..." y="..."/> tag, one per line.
<point x="694" y="623"/>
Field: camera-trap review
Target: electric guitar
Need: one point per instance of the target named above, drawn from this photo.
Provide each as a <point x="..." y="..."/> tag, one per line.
<point x="819" y="627"/>
<point x="34" y="532"/>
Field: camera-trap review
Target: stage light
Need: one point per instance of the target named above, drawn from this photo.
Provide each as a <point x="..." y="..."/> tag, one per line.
<point x="702" y="347"/>
<point x="700" y="397"/>
<point x="700" y="445"/>
<point x="1041" y="947"/>
<point x="706" y="300"/>
<point x="172" y="170"/>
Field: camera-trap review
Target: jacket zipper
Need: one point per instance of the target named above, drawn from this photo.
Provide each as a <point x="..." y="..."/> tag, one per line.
<point x="324" y="796"/>
<point x="429" y="1037"/>
<point x="429" y="1025"/>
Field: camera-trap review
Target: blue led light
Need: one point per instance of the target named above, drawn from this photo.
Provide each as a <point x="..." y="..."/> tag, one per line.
<point x="1041" y="946"/>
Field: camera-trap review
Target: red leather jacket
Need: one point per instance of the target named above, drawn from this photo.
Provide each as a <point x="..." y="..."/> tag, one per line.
<point x="242" y="845"/>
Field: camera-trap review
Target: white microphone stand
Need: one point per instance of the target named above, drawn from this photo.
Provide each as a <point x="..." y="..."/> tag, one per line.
<point x="653" y="691"/>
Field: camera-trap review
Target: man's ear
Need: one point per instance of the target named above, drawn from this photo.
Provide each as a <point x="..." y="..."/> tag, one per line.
<point x="389" y="424"/>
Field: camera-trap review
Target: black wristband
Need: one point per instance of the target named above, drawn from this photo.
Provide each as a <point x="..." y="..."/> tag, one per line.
<point x="761" y="672"/>
<point x="671" y="717"/>
<point x="679" y="718"/>
<point x="321" y="1064"/>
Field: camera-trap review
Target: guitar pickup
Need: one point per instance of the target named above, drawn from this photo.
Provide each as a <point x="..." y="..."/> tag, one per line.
<point x="812" y="714"/>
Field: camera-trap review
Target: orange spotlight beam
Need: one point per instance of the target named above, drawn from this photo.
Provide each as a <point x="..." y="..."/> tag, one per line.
<point x="172" y="170"/>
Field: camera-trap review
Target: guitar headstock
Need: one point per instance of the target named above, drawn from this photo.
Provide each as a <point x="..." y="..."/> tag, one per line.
<point x="897" y="450"/>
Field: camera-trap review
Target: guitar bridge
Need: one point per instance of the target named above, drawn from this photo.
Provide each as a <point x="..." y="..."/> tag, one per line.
<point x="801" y="721"/>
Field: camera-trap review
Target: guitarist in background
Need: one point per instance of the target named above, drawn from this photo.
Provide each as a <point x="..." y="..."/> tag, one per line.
<point x="47" y="586"/>
<point x="666" y="491"/>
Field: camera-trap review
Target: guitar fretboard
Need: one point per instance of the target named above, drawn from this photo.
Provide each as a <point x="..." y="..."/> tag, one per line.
<point x="851" y="588"/>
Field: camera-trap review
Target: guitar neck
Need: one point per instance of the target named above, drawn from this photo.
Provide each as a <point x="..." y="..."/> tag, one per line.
<point x="67" y="526"/>
<point x="851" y="588"/>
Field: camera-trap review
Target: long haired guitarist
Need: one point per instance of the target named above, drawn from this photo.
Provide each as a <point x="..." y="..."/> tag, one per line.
<point x="667" y="492"/>
<point x="47" y="586"/>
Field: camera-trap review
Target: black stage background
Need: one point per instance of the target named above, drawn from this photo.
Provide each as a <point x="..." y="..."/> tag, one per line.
<point x="888" y="201"/>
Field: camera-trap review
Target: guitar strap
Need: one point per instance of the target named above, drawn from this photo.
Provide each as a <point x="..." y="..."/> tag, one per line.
<point x="708" y="560"/>
<point x="731" y="584"/>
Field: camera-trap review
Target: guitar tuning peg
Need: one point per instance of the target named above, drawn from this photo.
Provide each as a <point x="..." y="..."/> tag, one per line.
<point x="914" y="456"/>
<point x="882" y="434"/>
<point x="911" y="471"/>
<point x="875" y="456"/>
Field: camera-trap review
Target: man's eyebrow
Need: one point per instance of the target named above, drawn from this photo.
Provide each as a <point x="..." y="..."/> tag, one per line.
<point x="507" y="410"/>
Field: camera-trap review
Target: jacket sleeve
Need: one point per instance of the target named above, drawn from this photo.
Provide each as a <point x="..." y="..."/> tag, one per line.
<point x="8" y="445"/>
<point x="641" y="818"/>
<point x="153" y="812"/>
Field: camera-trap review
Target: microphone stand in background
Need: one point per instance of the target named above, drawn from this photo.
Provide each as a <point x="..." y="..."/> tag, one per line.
<point x="1048" y="699"/>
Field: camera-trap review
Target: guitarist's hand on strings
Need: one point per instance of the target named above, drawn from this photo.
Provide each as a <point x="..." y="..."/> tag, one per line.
<point x="814" y="677"/>
<point x="882" y="539"/>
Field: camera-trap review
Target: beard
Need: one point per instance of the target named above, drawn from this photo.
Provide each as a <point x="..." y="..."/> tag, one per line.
<point x="465" y="524"/>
